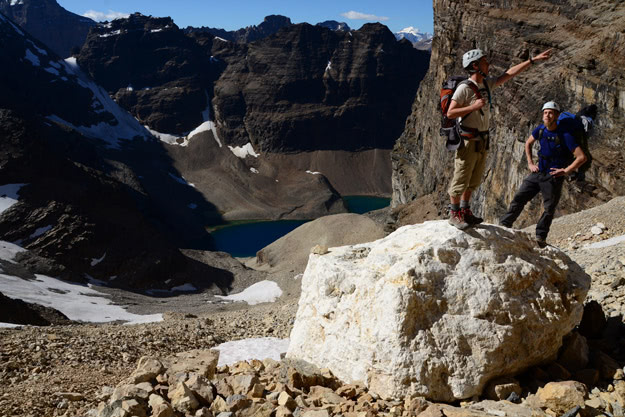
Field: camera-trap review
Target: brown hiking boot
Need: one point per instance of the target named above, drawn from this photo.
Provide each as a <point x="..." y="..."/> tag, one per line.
<point x="456" y="219"/>
<point x="469" y="218"/>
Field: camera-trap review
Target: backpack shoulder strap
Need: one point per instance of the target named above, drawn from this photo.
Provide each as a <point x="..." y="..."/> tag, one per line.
<point x="490" y="103"/>
<point x="473" y="87"/>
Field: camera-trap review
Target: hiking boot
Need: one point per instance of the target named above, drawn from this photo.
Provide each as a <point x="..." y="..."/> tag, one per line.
<point x="456" y="219"/>
<point x="469" y="218"/>
<point x="541" y="241"/>
<point x="504" y="224"/>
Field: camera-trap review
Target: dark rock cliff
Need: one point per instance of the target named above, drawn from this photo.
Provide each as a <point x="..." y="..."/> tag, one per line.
<point x="47" y="21"/>
<point x="310" y="88"/>
<point x="334" y="25"/>
<point x="152" y="69"/>
<point x="586" y="68"/>
<point x="270" y="25"/>
<point x="303" y="88"/>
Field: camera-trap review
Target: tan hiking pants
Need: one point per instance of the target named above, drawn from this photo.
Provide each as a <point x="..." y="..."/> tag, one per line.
<point x="469" y="167"/>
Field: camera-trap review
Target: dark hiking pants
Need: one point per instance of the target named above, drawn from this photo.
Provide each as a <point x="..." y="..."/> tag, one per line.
<point x="549" y="187"/>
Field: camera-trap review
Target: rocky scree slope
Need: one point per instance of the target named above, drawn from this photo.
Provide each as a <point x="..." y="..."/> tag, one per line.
<point x="71" y="369"/>
<point x="586" y="68"/>
<point x="59" y="29"/>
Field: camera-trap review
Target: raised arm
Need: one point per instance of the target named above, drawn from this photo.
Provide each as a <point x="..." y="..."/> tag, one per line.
<point x="519" y="68"/>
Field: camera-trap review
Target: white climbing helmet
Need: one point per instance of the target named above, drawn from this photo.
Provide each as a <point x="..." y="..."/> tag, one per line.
<point x="471" y="56"/>
<point x="551" y="105"/>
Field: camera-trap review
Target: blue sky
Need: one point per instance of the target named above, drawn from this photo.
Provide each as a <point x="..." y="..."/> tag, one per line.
<point x="232" y="15"/>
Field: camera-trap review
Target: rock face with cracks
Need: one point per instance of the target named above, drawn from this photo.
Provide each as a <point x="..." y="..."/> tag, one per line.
<point x="434" y="311"/>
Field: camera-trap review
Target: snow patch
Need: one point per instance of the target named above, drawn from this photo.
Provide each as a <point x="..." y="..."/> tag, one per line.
<point x="9" y="195"/>
<point x="106" y="35"/>
<point x="329" y="66"/>
<point x="181" y="180"/>
<point x="95" y="261"/>
<point x="34" y="59"/>
<point x="184" y="288"/>
<point x="254" y="170"/>
<point x="52" y="71"/>
<point x="76" y="301"/>
<point x="242" y="152"/>
<point x="8" y="251"/>
<point x="204" y="127"/>
<point x="261" y="292"/>
<point x="166" y="137"/>
<point x="313" y="172"/>
<point x="248" y="349"/>
<point x="41" y="51"/>
<point x="126" y="128"/>
<point x="40" y="231"/>
<point x="605" y="243"/>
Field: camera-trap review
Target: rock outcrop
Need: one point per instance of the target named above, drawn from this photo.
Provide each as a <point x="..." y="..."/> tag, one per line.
<point x="433" y="311"/>
<point x="587" y="68"/>
<point x="20" y="312"/>
<point x="309" y="88"/>
<point x="152" y="70"/>
<point x="47" y="21"/>
<point x="270" y="25"/>
<point x="292" y="250"/>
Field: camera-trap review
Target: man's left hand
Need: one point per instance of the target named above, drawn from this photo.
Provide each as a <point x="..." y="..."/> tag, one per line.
<point x="558" y="172"/>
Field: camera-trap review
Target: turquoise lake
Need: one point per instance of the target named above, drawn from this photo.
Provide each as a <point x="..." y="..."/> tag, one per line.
<point x="245" y="239"/>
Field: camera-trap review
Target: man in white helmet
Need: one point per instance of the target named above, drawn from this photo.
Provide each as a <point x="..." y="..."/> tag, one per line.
<point x="555" y="162"/>
<point x="469" y="104"/>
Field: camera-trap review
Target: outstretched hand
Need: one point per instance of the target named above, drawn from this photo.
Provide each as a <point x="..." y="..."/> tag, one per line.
<point x="543" y="55"/>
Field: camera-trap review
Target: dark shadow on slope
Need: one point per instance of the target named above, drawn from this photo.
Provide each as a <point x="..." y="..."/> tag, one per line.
<point x="93" y="213"/>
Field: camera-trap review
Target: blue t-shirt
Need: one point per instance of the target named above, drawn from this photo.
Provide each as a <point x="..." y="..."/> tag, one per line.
<point x="553" y="154"/>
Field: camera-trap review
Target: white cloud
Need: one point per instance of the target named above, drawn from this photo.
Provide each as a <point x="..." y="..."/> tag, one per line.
<point x="102" y="16"/>
<point x="363" y="16"/>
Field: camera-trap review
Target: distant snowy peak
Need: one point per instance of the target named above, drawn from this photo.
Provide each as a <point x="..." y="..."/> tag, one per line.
<point x="419" y="40"/>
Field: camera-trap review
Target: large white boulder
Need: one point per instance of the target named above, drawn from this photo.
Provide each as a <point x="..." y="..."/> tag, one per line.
<point x="434" y="311"/>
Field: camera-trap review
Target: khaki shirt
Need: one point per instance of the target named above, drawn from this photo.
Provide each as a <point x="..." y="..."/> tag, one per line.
<point x="465" y="96"/>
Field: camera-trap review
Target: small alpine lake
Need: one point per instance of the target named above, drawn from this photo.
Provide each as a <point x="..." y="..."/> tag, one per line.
<point x="245" y="238"/>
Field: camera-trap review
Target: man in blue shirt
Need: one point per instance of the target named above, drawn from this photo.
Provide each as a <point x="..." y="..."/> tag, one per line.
<point x="557" y="150"/>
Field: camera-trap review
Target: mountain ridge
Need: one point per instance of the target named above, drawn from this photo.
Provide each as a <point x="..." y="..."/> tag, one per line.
<point x="47" y="21"/>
